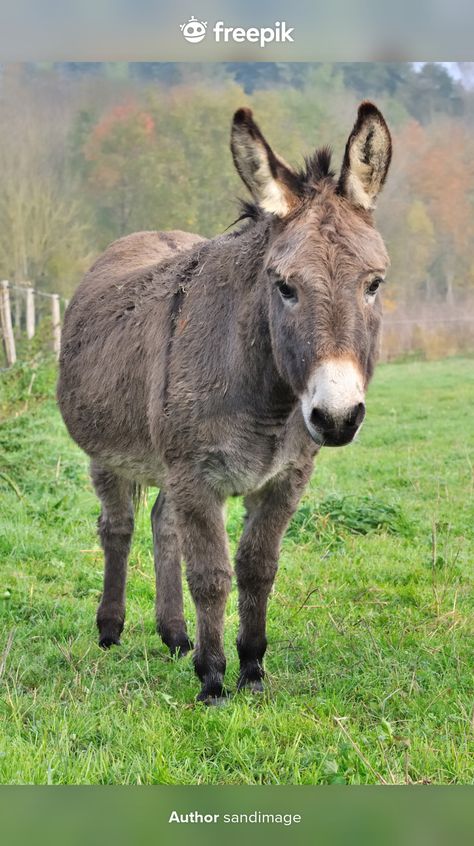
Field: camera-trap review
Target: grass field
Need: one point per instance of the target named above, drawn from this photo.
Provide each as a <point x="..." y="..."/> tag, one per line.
<point x="370" y="660"/>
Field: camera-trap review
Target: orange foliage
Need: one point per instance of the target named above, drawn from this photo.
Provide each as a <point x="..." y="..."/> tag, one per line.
<point x="123" y="132"/>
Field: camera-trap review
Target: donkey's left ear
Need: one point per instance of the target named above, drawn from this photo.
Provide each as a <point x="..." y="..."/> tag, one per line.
<point x="367" y="158"/>
<point x="272" y="183"/>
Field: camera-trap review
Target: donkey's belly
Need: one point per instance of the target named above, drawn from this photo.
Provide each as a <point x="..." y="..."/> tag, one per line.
<point x="144" y="470"/>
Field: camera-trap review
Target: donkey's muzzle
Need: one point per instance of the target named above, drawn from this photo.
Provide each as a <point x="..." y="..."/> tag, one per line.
<point x="336" y="430"/>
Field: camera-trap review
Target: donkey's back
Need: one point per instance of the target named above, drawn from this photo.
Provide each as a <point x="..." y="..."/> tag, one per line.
<point x="137" y="252"/>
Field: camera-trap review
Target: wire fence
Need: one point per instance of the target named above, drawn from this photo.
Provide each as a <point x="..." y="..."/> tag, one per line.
<point x="29" y="316"/>
<point x="23" y="309"/>
<point x="428" y="335"/>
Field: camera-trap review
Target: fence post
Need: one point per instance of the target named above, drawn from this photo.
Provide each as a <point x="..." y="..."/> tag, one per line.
<point x="30" y="313"/>
<point x="56" y="320"/>
<point x="6" y="321"/>
<point x="18" y="296"/>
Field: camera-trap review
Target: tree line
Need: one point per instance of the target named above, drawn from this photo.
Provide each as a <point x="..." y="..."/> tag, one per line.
<point x="91" y="152"/>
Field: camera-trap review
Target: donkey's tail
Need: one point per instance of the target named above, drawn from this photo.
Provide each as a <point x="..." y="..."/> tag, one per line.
<point x="138" y="495"/>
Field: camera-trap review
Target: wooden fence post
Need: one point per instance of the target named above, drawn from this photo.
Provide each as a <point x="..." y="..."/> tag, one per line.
<point x="30" y="313"/>
<point x="18" y="296"/>
<point x="56" y="320"/>
<point x="6" y="321"/>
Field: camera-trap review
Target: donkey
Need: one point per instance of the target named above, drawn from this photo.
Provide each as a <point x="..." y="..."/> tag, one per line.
<point x="216" y="368"/>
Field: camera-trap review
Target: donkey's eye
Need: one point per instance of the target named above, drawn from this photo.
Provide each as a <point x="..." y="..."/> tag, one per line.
<point x="373" y="287"/>
<point x="287" y="293"/>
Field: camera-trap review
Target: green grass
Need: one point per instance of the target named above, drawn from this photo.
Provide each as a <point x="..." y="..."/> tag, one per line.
<point x="370" y="659"/>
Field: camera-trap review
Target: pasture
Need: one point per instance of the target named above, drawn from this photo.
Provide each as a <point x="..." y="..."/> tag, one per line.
<point x="370" y="658"/>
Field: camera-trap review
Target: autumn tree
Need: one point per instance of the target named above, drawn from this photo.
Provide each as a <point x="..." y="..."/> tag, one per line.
<point x="119" y="152"/>
<point x="443" y="177"/>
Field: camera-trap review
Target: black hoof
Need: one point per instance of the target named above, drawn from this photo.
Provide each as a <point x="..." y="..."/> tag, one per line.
<point x="216" y="701"/>
<point x="250" y="685"/>
<point x="181" y="646"/>
<point x="212" y="700"/>
<point x="212" y="691"/>
<point x="106" y="641"/>
<point x="178" y="644"/>
<point x="109" y="632"/>
<point x="251" y="676"/>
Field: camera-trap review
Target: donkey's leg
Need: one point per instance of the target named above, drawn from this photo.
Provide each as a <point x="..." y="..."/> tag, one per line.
<point x="169" y="591"/>
<point x="204" y="542"/>
<point x="115" y="531"/>
<point x="268" y="513"/>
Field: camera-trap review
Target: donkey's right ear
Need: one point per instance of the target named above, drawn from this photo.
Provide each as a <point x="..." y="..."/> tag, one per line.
<point x="272" y="183"/>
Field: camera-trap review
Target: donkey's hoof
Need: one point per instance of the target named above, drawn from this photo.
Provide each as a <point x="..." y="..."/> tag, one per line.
<point x="109" y="633"/>
<point x="214" y="701"/>
<point x="106" y="641"/>
<point x="180" y="646"/>
<point x="218" y="701"/>
<point x="250" y="685"/>
<point x="251" y="676"/>
<point x="213" y="693"/>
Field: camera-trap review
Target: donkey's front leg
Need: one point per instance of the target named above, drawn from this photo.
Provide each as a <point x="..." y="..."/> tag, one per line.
<point x="209" y="574"/>
<point x="268" y="513"/>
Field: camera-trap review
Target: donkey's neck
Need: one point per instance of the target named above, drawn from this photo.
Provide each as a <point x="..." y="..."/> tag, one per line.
<point x="272" y="397"/>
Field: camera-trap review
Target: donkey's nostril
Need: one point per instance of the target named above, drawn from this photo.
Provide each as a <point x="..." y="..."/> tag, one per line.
<point x="321" y="420"/>
<point x="356" y="415"/>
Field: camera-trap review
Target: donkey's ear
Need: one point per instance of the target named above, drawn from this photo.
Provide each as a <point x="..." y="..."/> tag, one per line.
<point x="367" y="158"/>
<point x="272" y="183"/>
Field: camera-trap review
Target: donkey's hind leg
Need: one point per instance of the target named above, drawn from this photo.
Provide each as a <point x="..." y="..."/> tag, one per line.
<point x="170" y="622"/>
<point x="115" y="531"/>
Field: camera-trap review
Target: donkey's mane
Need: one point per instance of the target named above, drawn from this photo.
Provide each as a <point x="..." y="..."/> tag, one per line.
<point x="249" y="212"/>
<point x="316" y="168"/>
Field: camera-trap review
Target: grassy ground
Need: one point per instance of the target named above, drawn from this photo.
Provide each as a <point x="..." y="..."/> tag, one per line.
<point x="370" y="625"/>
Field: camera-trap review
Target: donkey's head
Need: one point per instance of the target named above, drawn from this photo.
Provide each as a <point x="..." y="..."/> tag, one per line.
<point x="323" y="268"/>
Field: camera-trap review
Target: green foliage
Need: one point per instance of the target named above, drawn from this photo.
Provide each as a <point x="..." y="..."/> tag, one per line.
<point x="26" y="383"/>
<point x="369" y="666"/>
